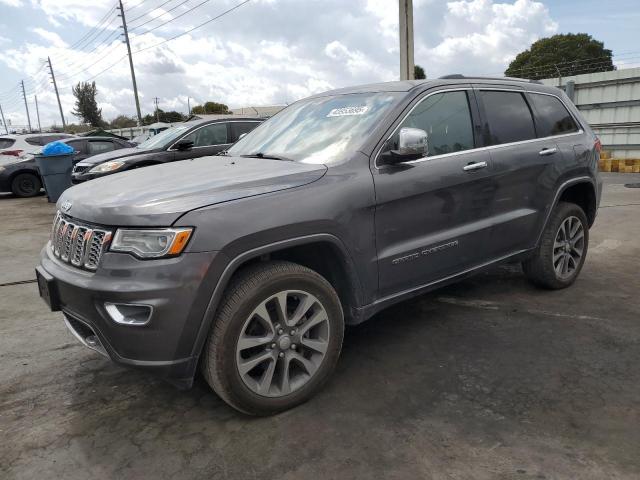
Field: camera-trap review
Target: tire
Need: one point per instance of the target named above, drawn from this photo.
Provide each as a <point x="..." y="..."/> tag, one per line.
<point x="546" y="268"/>
<point x="254" y="294"/>
<point x="26" y="185"/>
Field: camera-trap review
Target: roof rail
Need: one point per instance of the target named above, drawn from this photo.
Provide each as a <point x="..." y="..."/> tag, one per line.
<point x="458" y="76"/>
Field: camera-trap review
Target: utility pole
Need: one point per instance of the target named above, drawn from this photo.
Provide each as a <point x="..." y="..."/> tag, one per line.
<point x="24" y="95"/>
<point x="38" y="114"/>
<point x="188" y="107"/>
<point x="4" y="122"/>
<point x="55" y="87"/>
<point x="156" y="102"/>
<point x="133" y="73"/>
<point x="406" y="40"/>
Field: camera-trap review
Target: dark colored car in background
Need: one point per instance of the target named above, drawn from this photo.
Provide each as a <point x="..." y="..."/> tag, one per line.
<point x="199" y="138"/>
<point x="22" y="177"/>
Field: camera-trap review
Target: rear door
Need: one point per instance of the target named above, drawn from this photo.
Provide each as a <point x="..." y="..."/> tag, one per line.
<point x="207" y="140"/>
<point x="433" y="215"/>
<point x="522" y="162"/>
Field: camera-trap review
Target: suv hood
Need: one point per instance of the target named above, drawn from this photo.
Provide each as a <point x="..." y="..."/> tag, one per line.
<point x="113" y="155"/>
<point x="160" y="194"/>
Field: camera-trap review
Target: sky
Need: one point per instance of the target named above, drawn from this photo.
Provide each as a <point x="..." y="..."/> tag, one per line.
<point x="267" y="52"/>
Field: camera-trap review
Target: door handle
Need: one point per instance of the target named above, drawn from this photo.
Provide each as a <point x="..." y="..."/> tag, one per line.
<point x="547" y="151"/>
<point x="474" y="166"/>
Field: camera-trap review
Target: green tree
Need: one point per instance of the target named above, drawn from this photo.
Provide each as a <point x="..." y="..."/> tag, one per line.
<point x="122" y="121"/>
<point x="168" y="117"/>
<point x="561" y="55"/>
<point x="418" y="72"/>
<point x="210" y="108"/>
<point x="172" y="117"/>
<point x="86" y="106"/>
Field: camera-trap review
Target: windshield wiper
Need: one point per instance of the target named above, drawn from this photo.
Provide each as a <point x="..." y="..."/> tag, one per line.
<point x="266" y="155"/>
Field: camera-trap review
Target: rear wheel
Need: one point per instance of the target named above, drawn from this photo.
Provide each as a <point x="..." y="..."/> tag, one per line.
<point x="560" y="256"/>
<point x="275" y="340"/>
<point x="26" y="185"/>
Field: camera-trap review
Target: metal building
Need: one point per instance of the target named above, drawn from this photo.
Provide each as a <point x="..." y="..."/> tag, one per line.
<point x="610" y="101"/>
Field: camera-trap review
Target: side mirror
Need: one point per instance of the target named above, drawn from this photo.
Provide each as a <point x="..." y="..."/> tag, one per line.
<point x="184" y="144"/>
<point x="412" y="145"/>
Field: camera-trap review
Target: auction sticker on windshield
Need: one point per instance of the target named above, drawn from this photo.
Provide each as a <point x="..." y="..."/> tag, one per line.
<point x="348" y="111"/>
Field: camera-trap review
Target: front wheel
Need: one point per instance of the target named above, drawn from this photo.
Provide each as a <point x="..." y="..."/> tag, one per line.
<point x="275" y="340"/>
<point x="561" y="253"/>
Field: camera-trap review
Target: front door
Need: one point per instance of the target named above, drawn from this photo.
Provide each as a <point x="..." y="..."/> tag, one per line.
<point x="207" y="140"/>
<point x="433" y="215"/>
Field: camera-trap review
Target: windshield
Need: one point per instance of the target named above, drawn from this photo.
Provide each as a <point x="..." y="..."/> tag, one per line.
<point x="317" y="130"/>
<point x="161" y="139"/>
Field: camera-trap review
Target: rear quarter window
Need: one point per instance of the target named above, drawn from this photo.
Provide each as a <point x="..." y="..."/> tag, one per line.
<point x="553" y="117"/>
<point x="508" y="116"/>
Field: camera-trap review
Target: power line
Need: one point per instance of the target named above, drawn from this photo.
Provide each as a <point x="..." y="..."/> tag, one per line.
<point x="152" y="10"/>
<point x="135" y="6"/>
<point x="107" y="38"/>
<point x="559" y="64"/>
<point x="103" y="55"/>
<point x="194" y="28"/>
<point x="171" y="19"/>
<point x="112" y="65"/>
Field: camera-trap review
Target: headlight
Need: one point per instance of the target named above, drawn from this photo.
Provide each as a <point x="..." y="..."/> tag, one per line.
<point x="107" y="167"/>
<point x="156" y="243"/>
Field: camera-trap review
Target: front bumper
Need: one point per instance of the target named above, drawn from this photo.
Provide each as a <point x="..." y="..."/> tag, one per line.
<point x="178" y="291"/>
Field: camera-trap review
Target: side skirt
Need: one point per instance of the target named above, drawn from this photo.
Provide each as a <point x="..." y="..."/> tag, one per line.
<point x="364" y="313"/>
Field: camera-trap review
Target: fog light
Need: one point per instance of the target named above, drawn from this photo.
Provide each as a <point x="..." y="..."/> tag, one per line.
<point x="128" y="314"/>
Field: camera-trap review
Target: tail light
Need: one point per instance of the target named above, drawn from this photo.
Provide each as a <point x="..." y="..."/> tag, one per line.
<point x="598" y="145"/>
<point x="14" y="153"/>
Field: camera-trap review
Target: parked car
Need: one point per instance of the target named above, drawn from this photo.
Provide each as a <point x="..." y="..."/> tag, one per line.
<point x="19" y="145"/>
<point x="20" y="175"/>
<point x="194" y="139"/>
<point x="339" y="206"/>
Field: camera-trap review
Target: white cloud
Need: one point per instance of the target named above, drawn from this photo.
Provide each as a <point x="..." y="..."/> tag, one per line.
<point x="12" y="3"/>
<point x="268" y="51"/>
<point x="51" y="37"/>
<point x="482" y="37"/>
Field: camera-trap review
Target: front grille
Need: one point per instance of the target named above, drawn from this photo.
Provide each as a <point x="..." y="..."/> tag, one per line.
<point x="78" y="244"/>
<point x="79" y="168"/>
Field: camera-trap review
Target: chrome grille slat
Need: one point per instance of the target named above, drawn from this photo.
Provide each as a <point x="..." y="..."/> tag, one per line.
<point x="80" y="245"/>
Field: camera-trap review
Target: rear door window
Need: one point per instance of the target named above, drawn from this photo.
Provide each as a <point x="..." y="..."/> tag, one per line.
<point x="6" y="142"/>
<point x="77" y="145"/>
<point x="508" y="115"/>
<point x="34" y="141"/>
<point x="240" y="128"/>
<point x="553" y="117"/>
<point x="100" y="146"/>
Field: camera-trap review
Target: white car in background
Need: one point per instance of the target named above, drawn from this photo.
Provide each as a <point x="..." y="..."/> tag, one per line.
<point x="13" y="146"/>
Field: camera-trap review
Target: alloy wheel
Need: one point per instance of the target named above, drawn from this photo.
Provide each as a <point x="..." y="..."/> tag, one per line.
<point x="282" y="343"/>
<point x="568" y="247"/>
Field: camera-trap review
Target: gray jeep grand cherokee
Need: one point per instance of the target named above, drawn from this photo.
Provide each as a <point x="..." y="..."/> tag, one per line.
<point x="249" y="266"/>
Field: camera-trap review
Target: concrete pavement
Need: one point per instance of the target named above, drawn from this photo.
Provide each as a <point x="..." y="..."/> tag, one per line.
<point x="489" y="378"/>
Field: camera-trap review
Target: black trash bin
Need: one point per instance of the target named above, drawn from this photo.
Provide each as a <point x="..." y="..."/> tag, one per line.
<point x="55" y="171"/>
